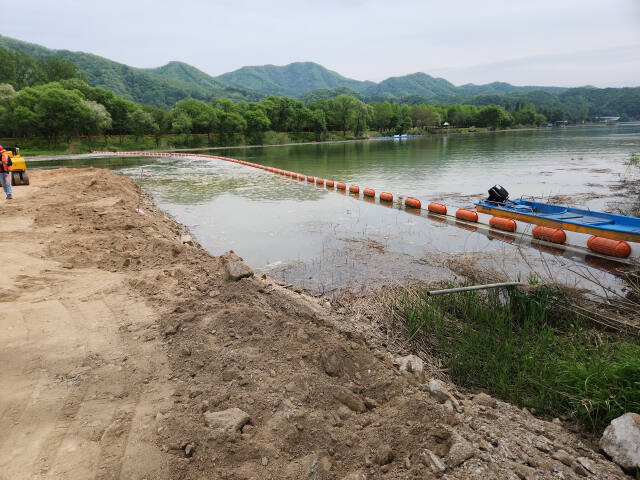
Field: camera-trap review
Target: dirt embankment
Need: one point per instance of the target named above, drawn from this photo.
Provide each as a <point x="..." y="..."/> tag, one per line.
<point x="129" y="352"/>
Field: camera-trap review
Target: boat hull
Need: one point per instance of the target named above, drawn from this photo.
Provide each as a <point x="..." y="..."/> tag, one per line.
<point x="571" y="227"/>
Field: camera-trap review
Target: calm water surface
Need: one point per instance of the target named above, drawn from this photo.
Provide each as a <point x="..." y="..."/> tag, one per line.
<point x="323" y="239"/>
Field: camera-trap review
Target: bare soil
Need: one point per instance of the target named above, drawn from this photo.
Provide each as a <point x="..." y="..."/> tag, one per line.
<point x="120" y="338"/>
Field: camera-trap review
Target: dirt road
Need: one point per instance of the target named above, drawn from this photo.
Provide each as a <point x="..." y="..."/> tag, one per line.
<point x="128" y="352"/>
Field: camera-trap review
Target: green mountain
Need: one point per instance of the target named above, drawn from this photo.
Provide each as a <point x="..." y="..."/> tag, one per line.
<point x="162" y="87"/>
<point x="290" y="80"/>
<point x="414" y="84"/>
<point x="166" y="85"/>
<point x="502" y="87"/>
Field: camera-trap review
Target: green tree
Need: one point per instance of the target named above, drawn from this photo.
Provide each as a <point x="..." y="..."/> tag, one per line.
<point x="382" y="115"/>
<point x="341" y="111"/>
<point x="257" y="124"/>
<point x="360" y="118"/>
<point x="492" y="116"/>
<point x="142" y="123"/>
<point x="230" y="124"/>
<point x="98" y="119"/>
<point x="425" y="116"/>
<point x="204" y="117"/>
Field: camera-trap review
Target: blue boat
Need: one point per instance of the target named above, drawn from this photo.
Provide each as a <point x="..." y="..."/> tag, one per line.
<point x="608" y="225"/>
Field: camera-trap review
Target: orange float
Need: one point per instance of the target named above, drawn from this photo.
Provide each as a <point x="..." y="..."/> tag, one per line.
<point x="369" y="192"/>
<point x="437" y="208"/>
<point x="341" y="186"/>
<point x="501" y="223"/>
<point x="310" y="178"/>
<point x="320" y="181"/>
<point x="468" y="215"/>
<point x="608" y="246"/>
<point x="412" y="202"/>
<point x="354" y="189"/>
<point x="550" y="234"/>
<point x="301" y="177"/>
<point x="386" y="197"/>
<point x="329" y="183"/>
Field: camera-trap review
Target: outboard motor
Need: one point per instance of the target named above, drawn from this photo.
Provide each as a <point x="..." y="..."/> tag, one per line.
<point x="498" y="194"/>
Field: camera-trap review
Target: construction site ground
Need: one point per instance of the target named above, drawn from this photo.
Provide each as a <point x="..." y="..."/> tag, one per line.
<point x="129" y="352"/>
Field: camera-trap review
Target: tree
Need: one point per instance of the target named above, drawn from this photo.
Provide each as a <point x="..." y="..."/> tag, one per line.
<point x="230" y="123"/>
<point x="318" y="122"/>
<point x="425" y="116"/>
<point x="526" y="115"/>
<point x="360" y="118"/>
<point x="204" y="117"/>
<point x="98" y="119"/>
<point x="492" y="116"/>
<point x="56" y="68"/>
<point x="142" y="123"/>
<point x="341" y="110"/>
<point x="257" y="124"/>
<point x="381" y="117"/>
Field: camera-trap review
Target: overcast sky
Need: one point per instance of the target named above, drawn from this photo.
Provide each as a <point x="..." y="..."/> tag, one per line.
<point x="523" y="42"/>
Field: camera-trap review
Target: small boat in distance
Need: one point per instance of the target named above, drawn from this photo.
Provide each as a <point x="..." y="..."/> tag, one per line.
<point x="608" y="225"/>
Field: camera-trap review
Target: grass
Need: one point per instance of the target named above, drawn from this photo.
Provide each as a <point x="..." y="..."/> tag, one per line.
<point x="528" y="348"/>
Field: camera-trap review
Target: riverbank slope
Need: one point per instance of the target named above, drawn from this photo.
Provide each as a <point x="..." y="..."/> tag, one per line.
<point x="130" y="352"/>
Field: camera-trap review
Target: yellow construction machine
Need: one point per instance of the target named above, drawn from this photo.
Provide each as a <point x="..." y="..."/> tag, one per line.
<point x="18" y="168"/>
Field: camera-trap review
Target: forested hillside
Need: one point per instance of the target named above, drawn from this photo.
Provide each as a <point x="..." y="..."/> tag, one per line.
<point x="161" y="87"/>
<point x="291" y="80"/>
<point x="23" y="64"/>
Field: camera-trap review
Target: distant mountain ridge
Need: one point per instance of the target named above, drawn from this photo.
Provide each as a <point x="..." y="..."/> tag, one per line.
<point x="291" y="80"/>
<point x="165" y="85"/>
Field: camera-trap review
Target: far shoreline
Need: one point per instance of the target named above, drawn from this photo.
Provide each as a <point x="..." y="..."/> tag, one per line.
<point x="290" y="144"/>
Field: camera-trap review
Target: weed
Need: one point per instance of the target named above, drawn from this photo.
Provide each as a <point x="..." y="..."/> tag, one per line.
<point x="529" y="348"/>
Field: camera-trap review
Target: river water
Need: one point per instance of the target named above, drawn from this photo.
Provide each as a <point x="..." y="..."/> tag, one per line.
<point x="323" y="240"/>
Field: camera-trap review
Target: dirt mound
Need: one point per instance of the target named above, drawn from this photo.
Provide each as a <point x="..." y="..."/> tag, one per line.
<point x="270" y="383"/>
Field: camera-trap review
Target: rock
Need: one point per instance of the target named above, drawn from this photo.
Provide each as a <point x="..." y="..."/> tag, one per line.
<point x="485" y="400"/>
<point x="440" y="392"/>
<point x="384" y="455"/>
<point x="350" y="399"/>
<point x="524" y="473"/>
<point x="188" y="239"/>
<point x="230" y="420"/>
<point x="432" y="460"/>
<point x="580" y="470"/>
<point x="265" y="461"/>
<point x="370" y="403"/>
<point x="621" y="441"/>
<point x="409" y="363"/>
<point x="460" y="452"/>
<point x="189" y="448"/>
<point x="562" y="457"/>
<point x="68" y="266"/>
<point x="336" y="363"/>
<point x="230" y="373"/>
<point x="343" y="412"/>
<point x="238" y="270"/>
<point x="587" y="464"/>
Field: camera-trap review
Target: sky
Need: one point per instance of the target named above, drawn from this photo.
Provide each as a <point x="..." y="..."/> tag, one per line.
<point x="523" y="42"/>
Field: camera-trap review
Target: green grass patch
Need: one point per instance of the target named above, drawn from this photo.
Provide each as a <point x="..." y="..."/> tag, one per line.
<point x="528" y="348"/>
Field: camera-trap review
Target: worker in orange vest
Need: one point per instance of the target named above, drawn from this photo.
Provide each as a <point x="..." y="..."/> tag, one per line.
<point x="5" y="172"/>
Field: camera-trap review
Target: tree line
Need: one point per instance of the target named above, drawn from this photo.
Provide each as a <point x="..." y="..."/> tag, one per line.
<point x="69" y="107"/>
